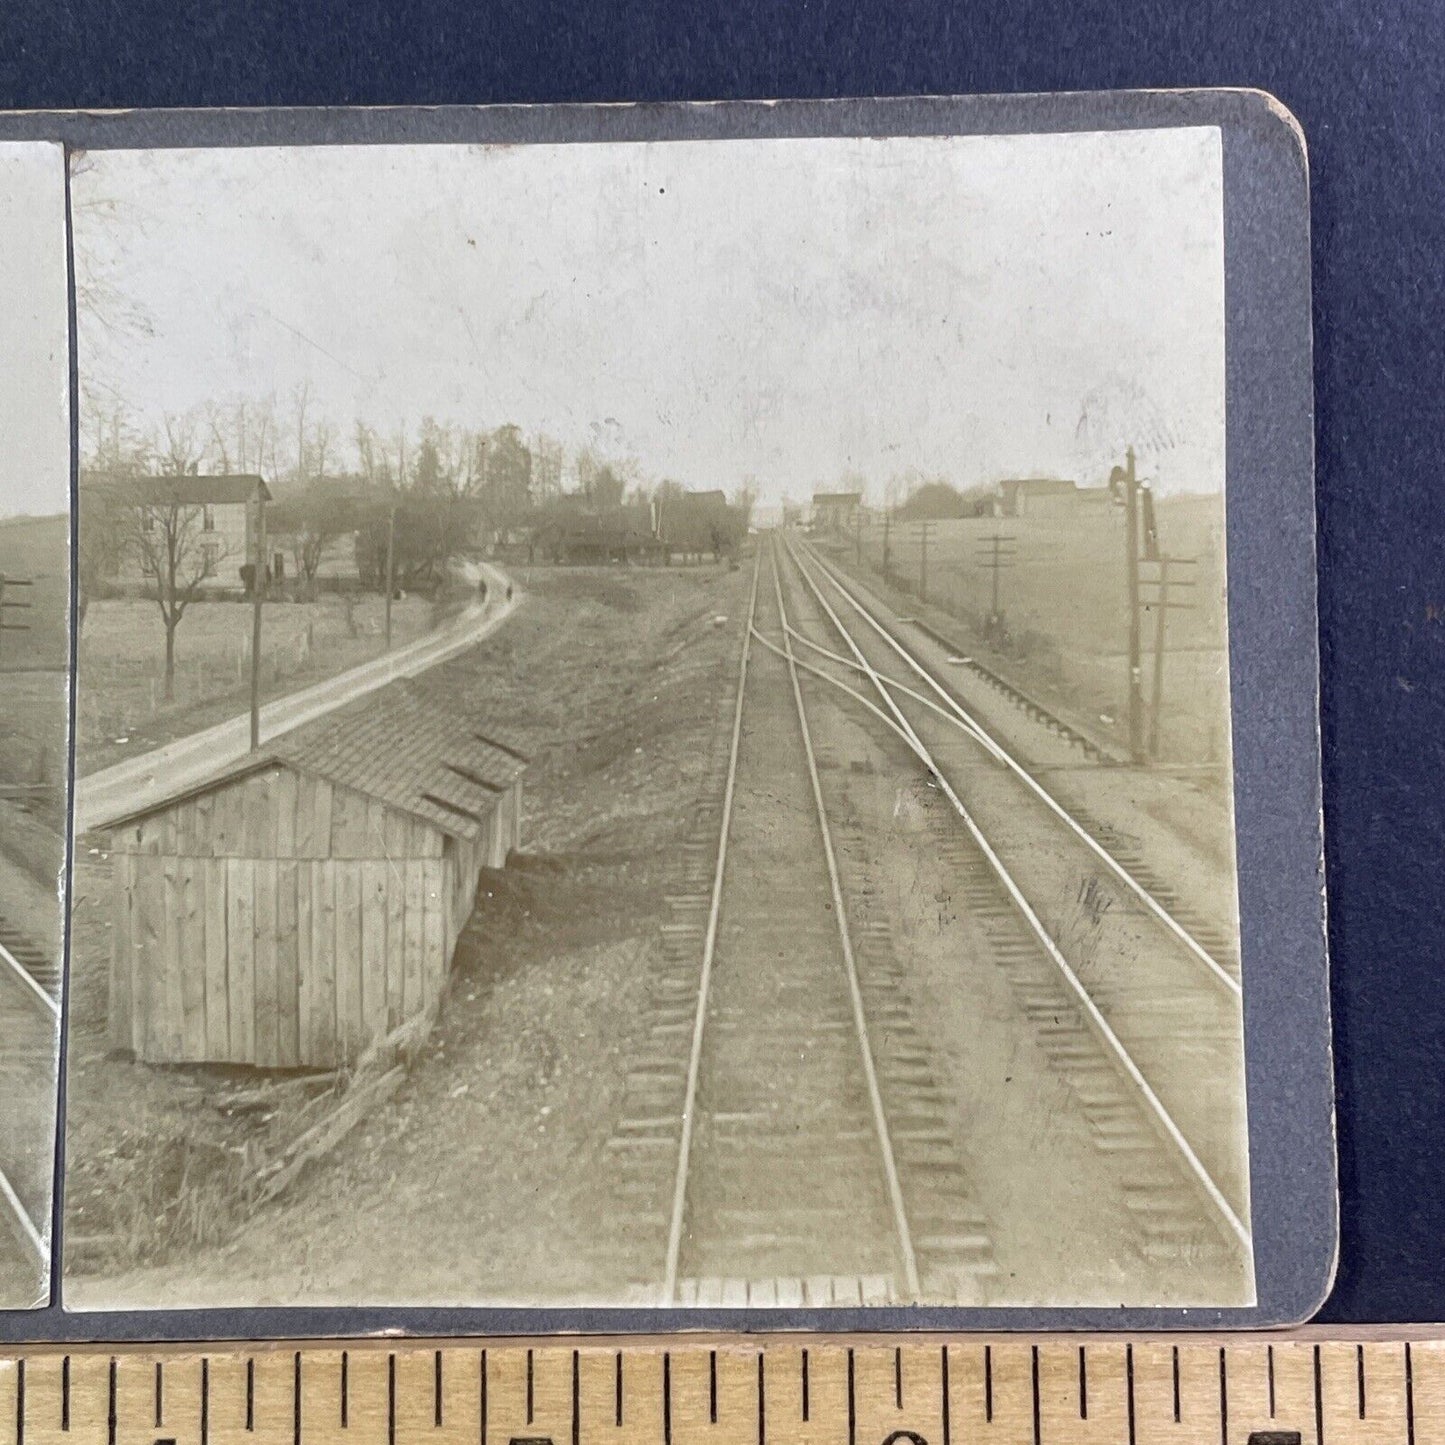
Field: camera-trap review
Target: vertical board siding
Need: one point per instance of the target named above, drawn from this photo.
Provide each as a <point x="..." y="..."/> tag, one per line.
<point x="281" y="921"/>
<point x="191" y="934"/>
<point x="218" y="1006"/>
<point x="267" y="1003"/>
<point x="285" y="791"/>
<point x="171" y="1031"/>
<point x="435" y="957"/>
<point x="396" y="1013"/>
<point x="349" y="997"/>
<point x="122" y="1017"/>
<point x="240" y="925"/>
<point x="324" y="1018"/>
<point x="150" y="971"/>
<point x="414" y="939"/>
<point x="288" y="983"/>
<point x="373" y="948"/>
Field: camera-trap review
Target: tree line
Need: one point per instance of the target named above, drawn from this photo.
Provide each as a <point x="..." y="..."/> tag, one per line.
<point x="422" y="495"/>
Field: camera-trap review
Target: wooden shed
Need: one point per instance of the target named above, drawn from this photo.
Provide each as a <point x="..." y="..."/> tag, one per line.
<point x="307" y="900"/>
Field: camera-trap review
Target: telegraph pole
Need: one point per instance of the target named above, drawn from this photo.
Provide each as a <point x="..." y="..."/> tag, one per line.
<point x="1164" y="583"/>
<point x="1124" y="479"/>
<point x="258" y="593"/>
<point x="997" y="555"/>
<point x="923" y="561"/>
<point x="390" y="567"/>
<point x="9" y="604"/>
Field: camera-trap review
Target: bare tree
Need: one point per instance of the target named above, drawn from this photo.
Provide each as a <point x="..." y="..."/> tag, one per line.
<point x="166" y="532"/>
<point x="311" y="520"/>
<point x="177" y="446"/>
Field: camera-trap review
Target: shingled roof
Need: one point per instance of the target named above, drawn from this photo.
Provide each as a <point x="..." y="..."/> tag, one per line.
<point x="400" y="744"/>
<point x="403" y="746"/>
<point x="183" y="491"/>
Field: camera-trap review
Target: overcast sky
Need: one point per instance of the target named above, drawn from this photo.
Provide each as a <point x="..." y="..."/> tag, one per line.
<point x="973" y="307"/>
<point x="34" y="331"/>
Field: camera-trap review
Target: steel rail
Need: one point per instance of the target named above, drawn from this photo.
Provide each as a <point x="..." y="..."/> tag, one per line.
<point x="1216" y="970"/>
<point x="28" y="980"/>
<point x="709" y="948"/>
<point x="34" y="1240"/>
<point x="850" y="966"/>
<point x="950" y="718"/>
<point x="1097" y="1022"/>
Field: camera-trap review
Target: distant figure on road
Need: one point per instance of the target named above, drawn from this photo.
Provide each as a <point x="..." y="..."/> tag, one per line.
<point x="482" y="588"/>
<point x="509" y="591"/>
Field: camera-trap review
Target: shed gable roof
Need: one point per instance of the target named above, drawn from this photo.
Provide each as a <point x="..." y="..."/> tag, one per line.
<point x="410" y="750"/>
<point x="399" y="744"/>
<point x="188" y="491"/>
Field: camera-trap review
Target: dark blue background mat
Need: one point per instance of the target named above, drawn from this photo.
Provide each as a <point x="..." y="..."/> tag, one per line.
<point x="1365" y="84"/>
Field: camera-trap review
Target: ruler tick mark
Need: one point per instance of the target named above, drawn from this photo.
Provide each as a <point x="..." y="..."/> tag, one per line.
<point x="482" y="1399"/>
<point x="160" y="1395"/>
<point x="1083" y="1386"/>
<point x="805" y="1387"/>
<point x="762" y="1403"/>
<point x="1360" y="1376"/>
<point x="1319" y="1402"/>
<point x="110" y="1408"/>
<point x="1175" y="1352"/>
<point x="617" y="1371"/>
<point x="576" y="1397"/>
<point x="711" y="1386"/>
<point x="529" y="1387"/>
<point x="943" y="1371"/>
<point x="1223" y="1398"/>
<point x="391" y="1400"/>
<point x="345" y="1389"/>
<point x="296" y="1399"/>
<point x="250" y="1394"/>
<point x="1269" y="1364"/>
<point x="20" y="1403"/>
<point x="667" y="1396"/>
<point x="988" y="1383"/>
<point x="436" y="1390"/>
<point x="65" y="1393"/>
<point x="852" y="1406"/>
<point x="1409" y="1398"/>
<point x="897" y="1378"/>
<point x="205" y="1399"/>
<point x="1034" y="1366"/>
<point x="1129" y="1389"/>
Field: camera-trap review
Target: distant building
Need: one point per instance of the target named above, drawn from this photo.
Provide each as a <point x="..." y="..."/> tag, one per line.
<point x="1035" y="497"/>
<point x="694" y="524"/>
<point x="835" y="511"/>
<point x="307" y="900"/>
<point x="216" y="516"/>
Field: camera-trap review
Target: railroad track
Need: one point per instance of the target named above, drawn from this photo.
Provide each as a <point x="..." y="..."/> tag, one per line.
<point x="29" y="1032"/>
<point x="810" y="1148"/>
<point x="1137" y="1010"/>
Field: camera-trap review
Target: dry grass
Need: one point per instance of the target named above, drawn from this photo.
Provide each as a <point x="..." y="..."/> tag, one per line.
<point x="122" y="663"/>
<point x="1062" y="596"/>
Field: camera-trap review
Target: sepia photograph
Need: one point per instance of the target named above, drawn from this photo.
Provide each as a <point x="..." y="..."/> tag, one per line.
<point x="652" y="727"/>
<point x="35" y="678"/>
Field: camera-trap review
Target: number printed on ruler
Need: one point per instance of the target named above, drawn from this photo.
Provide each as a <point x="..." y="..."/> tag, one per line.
<point x="1251" y="1391"/>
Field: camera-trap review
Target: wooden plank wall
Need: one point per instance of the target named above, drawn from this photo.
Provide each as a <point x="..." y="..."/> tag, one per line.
<point x="238" y="940"/>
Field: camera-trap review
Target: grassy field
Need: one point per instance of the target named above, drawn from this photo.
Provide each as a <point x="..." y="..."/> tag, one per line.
<point x="1063" y="599"/>
<point x="120" y="700"/>
<point x="37" y="550"/>
<point x="611" y="681"/>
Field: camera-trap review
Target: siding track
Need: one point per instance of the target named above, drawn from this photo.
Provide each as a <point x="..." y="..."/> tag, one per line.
<point x="1140" y="1017"/>
<point x="29" y="1029"/>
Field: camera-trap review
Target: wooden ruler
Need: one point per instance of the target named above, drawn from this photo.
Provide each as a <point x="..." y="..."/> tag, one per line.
<point x="735" y="1390"/>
